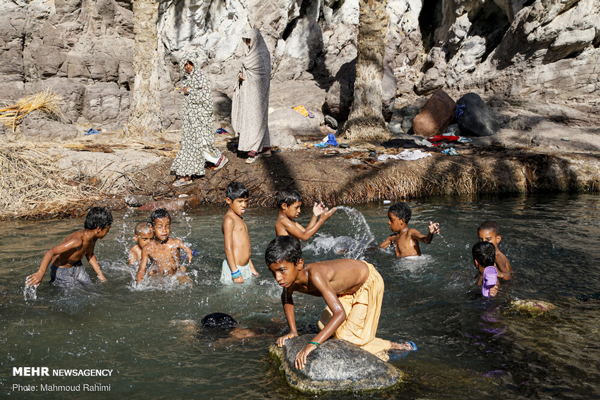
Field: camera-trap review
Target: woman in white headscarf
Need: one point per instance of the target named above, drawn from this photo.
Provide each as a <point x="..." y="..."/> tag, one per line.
<point x="197" y="136"/>
<point x="250" y="109"/>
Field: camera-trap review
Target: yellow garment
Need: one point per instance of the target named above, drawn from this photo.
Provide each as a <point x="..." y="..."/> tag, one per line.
<point x="301" y="110"/>
<point x="362" y="316"/>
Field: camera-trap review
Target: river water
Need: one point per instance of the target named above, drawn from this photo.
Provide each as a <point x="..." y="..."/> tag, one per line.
<point x="468" y="347"/>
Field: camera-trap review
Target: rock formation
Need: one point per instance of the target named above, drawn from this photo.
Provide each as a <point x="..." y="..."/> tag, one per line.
<point x="337" y="365"/>
<point x="83" y="49"/>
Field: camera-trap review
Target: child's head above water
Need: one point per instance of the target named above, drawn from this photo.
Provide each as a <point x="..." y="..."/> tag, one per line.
<point x="489" y="231"/>
<point x="237" y="197"/>
<point x="396" y="213"/>
<point x="283" y="249"/>
<point x="289" y="201"/>
<point x="99" y="219"/>
<point x="161" y="222"/>
<point x="143" y="234"/>
<point x="484" y="254"/>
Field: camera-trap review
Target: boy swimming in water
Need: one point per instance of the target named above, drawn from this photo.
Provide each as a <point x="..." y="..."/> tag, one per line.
<point x="352" y="289"/>
<point x="143" y="234"/>
<point x="237" y="265"/>
<point x="65" y="259"/>
<point x="484" y="254"/>
<point x="289" y="203"/>
<point x="404" y="239"/>
<point x="489" y="231"/>
<point x="162" y="249"/>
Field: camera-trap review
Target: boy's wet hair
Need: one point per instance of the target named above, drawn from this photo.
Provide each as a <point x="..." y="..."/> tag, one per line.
<point x="158" y="214"/>
<point x="401" y="211"/>
<point x="288" y="197"/>
<point x="489" y="226"/>
<point x="484" y="253"/>
<point x="142" y="227"/>
<point x="283" y="248"/>
<point x="219" y="321"/>
<point x="98" y="217"/>
<point x="236" y="190"/>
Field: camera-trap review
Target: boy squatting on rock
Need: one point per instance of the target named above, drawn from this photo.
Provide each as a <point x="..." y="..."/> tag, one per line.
<point x="144" y="233"/>
<point x="237" y="266"/>
<point x="352" y="289"/>
<point x="65" y="259"/>
<point x="289" y="203"/>
<point x="163" y="250"/>
<point x="404" y="239"/>
<point x="489" y="231"/>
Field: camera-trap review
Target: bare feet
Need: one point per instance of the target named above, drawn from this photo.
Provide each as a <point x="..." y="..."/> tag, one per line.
<point x="407" y="346"/>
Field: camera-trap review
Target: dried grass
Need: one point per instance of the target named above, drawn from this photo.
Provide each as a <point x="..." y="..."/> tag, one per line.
<point x="31" y="186"/>
<point x="46" y="101"/>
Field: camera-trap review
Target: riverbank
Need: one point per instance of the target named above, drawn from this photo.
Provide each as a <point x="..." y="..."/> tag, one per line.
<point x="541" y="148"/>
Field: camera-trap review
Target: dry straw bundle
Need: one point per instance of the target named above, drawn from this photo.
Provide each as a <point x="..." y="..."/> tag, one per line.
<point x="31" y="186"/>
<point x="46" y="101"/>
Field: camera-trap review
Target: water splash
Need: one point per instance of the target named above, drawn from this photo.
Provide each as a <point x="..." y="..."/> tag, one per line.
<point x="30" y="292"/>
<point x="350" y="246"/>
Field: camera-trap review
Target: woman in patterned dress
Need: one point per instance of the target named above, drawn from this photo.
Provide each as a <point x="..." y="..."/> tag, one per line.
<point x="197" y="137"/>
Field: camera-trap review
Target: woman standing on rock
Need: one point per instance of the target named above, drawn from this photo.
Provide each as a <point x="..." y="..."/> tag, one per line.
<point x="250" y="109"/>
<point x="197" y="137"/>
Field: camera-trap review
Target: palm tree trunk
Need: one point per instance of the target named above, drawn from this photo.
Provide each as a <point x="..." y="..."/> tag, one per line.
<point x="145" y="116"/>
<point x="366" y="119"/>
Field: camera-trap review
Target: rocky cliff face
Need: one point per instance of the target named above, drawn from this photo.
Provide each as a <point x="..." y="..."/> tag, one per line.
<point x="83" y="49"/>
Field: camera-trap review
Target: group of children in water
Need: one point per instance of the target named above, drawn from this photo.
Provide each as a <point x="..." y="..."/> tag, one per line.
<point x="352" y="289"/>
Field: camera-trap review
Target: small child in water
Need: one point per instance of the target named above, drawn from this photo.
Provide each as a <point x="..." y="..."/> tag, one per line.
<point x="65" y="259"/>
<point x="489" y="231"/>
<point x="162" y="249"/>
<point x="289" y="203"/>
<point x="484" y="254"/>
<point x="352" y="290"/>
<point x="237" y="265"/>
<point x="404" y="239"/>
<point x="143" y="235"/>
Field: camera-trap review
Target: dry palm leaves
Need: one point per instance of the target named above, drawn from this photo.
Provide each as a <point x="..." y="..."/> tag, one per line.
<point x="30" y="185"/>
<point x="45" y="101"/>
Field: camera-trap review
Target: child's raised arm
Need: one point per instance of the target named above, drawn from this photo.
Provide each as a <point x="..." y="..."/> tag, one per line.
<point x="434" y="227"/>
<point x="387" y="242"/>
<point x="296" y="230"/>
<point x="187" y="250"/>
<point x="35" y="279"/>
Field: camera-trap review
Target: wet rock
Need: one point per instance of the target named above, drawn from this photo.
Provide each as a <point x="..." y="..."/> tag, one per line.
<point x="476" y="119"/>
<point x="528" y="307"/>
<point x="337" y="365"/>
<point x="137" y="200"/>
<point x="435" y="116"/>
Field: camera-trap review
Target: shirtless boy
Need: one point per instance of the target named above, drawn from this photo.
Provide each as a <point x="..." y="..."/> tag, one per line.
<point x="289" y="203"/>
<point x="404" y="239"/>
<point x="143" y="235"/>
<point x="163" y="250"/>
<point x="65" y="259"/>
<point x="352" y="289"/>
<point x="237" y="266"/>
<point x="489" y="231"/>
<point x="484" y="254"/>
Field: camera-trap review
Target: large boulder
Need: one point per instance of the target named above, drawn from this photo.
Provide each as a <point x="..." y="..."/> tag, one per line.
<point x="435" y="116"/>
<point x="337" y="365"/>
<point x="476" y="118"/>
<point x="285" y="125"/>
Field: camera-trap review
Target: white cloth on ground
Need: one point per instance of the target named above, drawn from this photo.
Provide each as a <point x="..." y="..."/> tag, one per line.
<point x="226" y="272"/>
<point x="406" y="155"/>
